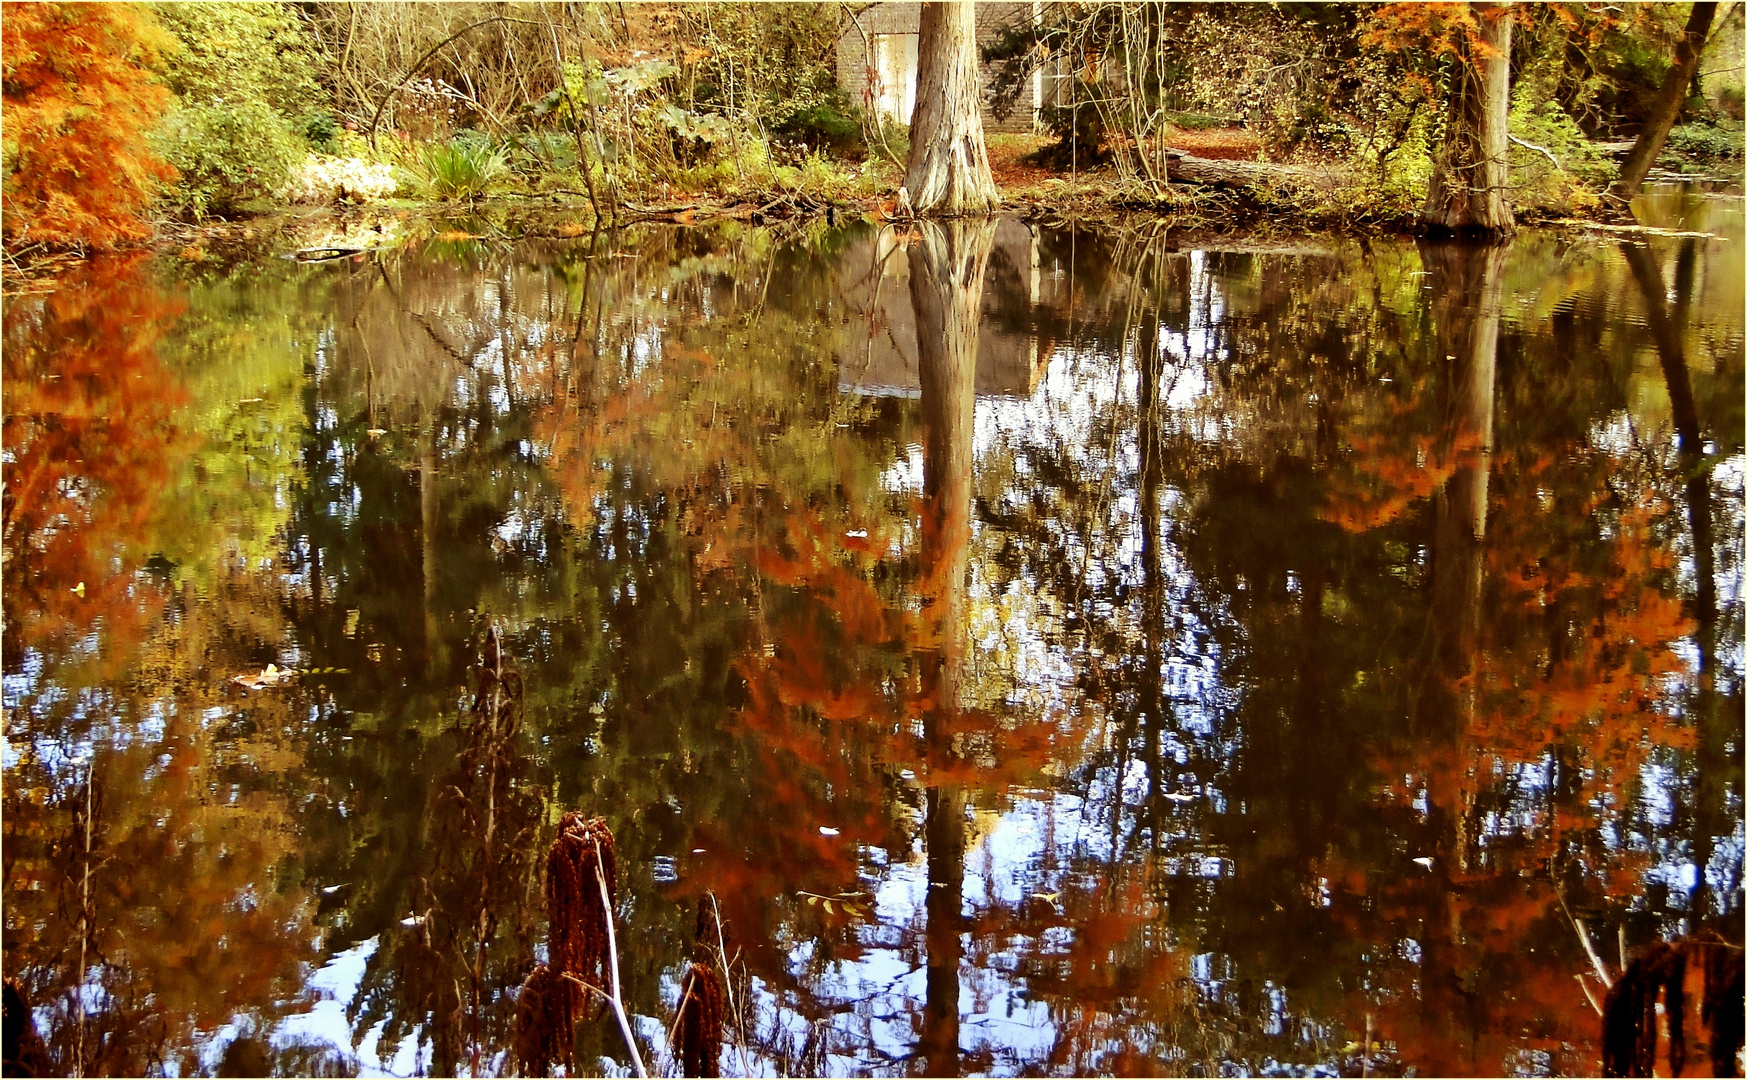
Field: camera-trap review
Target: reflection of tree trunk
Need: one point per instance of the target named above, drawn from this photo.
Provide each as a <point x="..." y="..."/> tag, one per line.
<point x="427" y="537"/>
<point x="948" y="171"/>
<point x="1467" y="283"/>
<point x="946" y="287"/>
<point x="1152" y="469"/>
<point x="1467" y="191"/>
<point x="1671" y="351"/>
<point x="1717" y="727"/>
<point x="1469" y="288"/>
<point x="1668" y="346"/>
<point x="944" y="833"/>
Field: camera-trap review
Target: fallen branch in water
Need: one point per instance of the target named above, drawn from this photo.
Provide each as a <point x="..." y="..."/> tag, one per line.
<point x="1639" y="230"/>
<point x="323" y="254"/>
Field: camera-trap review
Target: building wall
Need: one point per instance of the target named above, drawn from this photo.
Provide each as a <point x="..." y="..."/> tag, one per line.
<point x="900" y="17"/>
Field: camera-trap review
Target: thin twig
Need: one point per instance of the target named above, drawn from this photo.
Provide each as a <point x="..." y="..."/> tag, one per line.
<point x="1583" y="936"/>
<point x="575" y="123"/>
<point x="679" y="1013"/>
<point x="1532" y="146"/>
<point x="84" y="921"/>
<point x="411" y="71"/>
<point x="613" y="967"/>
<point x="728" y="985"/>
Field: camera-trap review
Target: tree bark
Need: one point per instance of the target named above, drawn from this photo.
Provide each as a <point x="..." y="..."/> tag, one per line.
<point x="948" y="172"/>
<point x="1669" y="99"/>
<point x="1467" y="191"/>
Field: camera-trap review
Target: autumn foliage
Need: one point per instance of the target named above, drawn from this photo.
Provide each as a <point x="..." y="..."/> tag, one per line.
<point x="79" y="100"/>
<point x="91" y="448"/>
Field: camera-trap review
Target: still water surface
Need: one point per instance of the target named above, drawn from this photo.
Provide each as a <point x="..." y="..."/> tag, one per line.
<point x="1057" y="652"/>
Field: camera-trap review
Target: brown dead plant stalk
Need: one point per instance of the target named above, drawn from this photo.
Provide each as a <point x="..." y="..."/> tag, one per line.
<point x="698" y="1025"/>
<point x="545" y="1018"/>
<point x="710" y="926"/>
<point x="582" y="948"/>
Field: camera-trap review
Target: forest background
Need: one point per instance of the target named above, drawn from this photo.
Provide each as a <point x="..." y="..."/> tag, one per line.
<point x="125" y="121"/>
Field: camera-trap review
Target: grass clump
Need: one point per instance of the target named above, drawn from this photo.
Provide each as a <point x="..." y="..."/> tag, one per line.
<point x="460" y="170"/>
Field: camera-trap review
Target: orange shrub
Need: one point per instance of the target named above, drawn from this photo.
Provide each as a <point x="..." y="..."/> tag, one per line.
<point x="78" y="101"/>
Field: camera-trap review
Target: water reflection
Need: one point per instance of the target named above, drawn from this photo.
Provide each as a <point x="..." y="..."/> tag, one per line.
<point x="1055" y="652"/>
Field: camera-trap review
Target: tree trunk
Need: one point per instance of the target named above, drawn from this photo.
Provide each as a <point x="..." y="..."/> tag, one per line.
<point x="1467" y="192"/>
<point x="1669" y="99"/>
<point x="948" y="172"/>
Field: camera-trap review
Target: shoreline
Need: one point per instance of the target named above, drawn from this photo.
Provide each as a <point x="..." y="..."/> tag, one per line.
<point x="1193" y="211"/>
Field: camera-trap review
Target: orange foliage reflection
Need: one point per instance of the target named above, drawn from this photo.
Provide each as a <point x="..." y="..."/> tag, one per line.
<point x="90" y="447"/>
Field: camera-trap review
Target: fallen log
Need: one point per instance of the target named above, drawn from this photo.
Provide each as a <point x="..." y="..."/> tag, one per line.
<point x="1223" y="171"/>
<point x="1636" y="230"/>
<point x="323" y="254"/>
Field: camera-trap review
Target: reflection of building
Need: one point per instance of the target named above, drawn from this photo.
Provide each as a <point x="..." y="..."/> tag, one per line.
<point x="876" y="65"/>
<point x="879" y="356"/>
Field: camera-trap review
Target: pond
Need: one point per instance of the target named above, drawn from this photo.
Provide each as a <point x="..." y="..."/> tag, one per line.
<point x="1048" y="651"/>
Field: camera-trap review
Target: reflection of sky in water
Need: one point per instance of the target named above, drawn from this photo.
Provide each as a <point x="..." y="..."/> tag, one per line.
<point x="1075" y="831"/>
<point x="335" y="983"/>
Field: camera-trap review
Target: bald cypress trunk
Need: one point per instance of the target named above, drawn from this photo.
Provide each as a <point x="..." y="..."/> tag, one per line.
<point x="1669" y="99"/>
<point x="1467" y="191"/>
<point x="948" y="171"/>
